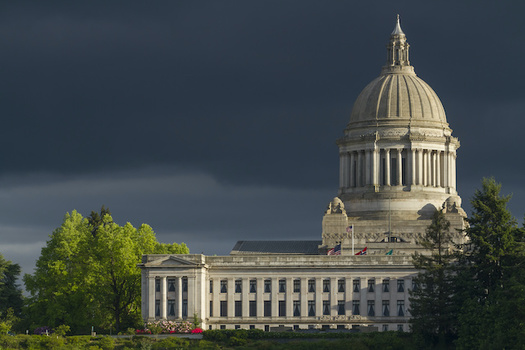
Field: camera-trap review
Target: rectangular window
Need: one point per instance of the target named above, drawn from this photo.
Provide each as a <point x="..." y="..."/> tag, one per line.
<point x="224" y="286"/>
<point x="326" y="286"/>
<point x="267" y="308"/>
<point x="311" y="308"/>
<point x="401" y="308"/>
<point x="297" y="308"/>
<point x="386" y="286"/>
<point x="400" y="285"/>
<point x="157" y="308"/>
<point x="224" y="308"/>
<point x="400" y="328"/>
<point x="211" y="308"/>
<point x="385" y="328"/>
<point x="415" y="286"/>
<point x="341" y="286"/>
<point x="356" y="286"/>
<point x="237" y="326"/>
<point x="222" y="326"/>
<point x="171" y="307"/>
<point x="238" y="286"/>
<point x="171" y="285"/>
<point x="311" y="286"/>
<point x="157" y="285"/>
<point x="341" y="307"/>
<point x="253" y="286"/>
<point x="371" y="285"/>
<point x="371" y="308"/>
<point x="238" y="308"/>
<point x="267" y="286"/>
<point x="282" y="308"/>
<point x="252" y="326"/>
<point x="386" y="308"/>
<point x="282" y="286"/>
<point x="211" y="286"/>
<point x="184" y="307"/>
<point x="184" y="284"/>
<point x="326" y="307"/>
<point x="253" y="308"/>
<point x="355" y="307"/>
<point x="296" y="286"/>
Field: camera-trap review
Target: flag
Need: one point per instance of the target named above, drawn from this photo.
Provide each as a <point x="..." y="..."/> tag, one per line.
<point x="362" y="252"/>
<point x="335" y="250"/>
<point x="350" y="228"/>
<point x="390" y="252"/>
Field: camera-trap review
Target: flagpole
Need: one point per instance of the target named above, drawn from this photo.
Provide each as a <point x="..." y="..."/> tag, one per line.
<point x="352" y="228"/>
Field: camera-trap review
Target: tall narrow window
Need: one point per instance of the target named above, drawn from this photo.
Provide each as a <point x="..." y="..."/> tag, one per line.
<point x="211" y="286"/>
<point x="371" y="285"/>
<point x="267" y="286"/>
<point x="311" y="286"/>
<point x="297" y="286"/>
<point x="184" y="284"/>
<point x="282" y="308"/>
<point x="253" y="308"/>
<point x="171" y="307"/>
<point x="341" y="286"/>
<point x="297" y="308"/>
<point x="184" y="307"/>
<point x="171" y="285"/>
<point x="341" y="307"/>
<point x="253" y="286"/>
<point x="326" y="307"/>
<point x="238" y="286"/>
<point x="400" y="286"/>
<point x="267" y="308"/>
<point x="356" y="307"/>
<point x="224" y="286"/>
<point x="282" y="286"/>
<point x="386" y="286"/>
<point x="401" y="308"/>
<point x="157" y="285"/>
<point x="211" y="308"/>
<point x="326" y="286"/>
<point x="157" y="308"/>
<point x="371" y="308"/>
<point x="224" y="308"/>
<point x="311" y="308"/>
<point x="238" y="308"/>
<point x="386" y="308"/>
<point x="356" y="286"/>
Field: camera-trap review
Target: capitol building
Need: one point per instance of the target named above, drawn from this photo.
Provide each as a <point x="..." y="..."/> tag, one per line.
<point x="397" y="167"/>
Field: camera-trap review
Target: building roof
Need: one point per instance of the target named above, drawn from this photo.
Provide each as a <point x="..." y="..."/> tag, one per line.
<point x="276" y="247"/>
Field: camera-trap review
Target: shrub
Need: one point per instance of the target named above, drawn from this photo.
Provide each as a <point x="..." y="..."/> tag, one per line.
<point x="235" y="341"/>
<point x="106" y="343"/>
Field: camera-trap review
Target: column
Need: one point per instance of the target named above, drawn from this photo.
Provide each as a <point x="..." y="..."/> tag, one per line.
<point x="433" y="160"/>
<point x="453" y="170"/>
<point x="446" y="169"/>
<point x="318" y="297"/>
<point x="230" y="289"/>
<point x="333" y="296"/>
<point x="163" y="298"/>
<point x="412" y="166"/>
<point x="288" y="297"/>
<point x="352" y="170"/>
<point x="438" y="168"/>
<point x="387" y="167"/>
<point x="359" y="175"/>
<point x="399" y="167"/>
<point x="216" y="297"/>
<point x="275" y="298"/>
<point x="178" y="299"/>
<point x="191" y="296"/>
<point x="348" y="295"/>
<point x="375" y="168"/>
<point x="429" y="168"/>
<point x="304" y="297"/>
<point x="346" y="176"/>
<point x="260" y="303"/>
<point x="341" y="170"/>
<point x="368" y="167"/>
<point x="151" y="297"/>
<point x="245" y="297"/>
<point x="419" y="166"/>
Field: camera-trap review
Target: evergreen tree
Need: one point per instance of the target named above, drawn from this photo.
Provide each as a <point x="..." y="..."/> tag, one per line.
<point x="431" y="306"/>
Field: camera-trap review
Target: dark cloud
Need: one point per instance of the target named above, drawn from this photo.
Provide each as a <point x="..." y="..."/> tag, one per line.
<point x="109" y="103"/>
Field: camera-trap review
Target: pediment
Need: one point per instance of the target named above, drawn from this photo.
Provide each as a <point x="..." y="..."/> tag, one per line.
<point x="170" y="261"/>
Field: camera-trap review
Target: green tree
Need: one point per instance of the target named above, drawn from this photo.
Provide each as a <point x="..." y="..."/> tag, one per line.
<point x="431" y="306"/>
<point x="490" y="279"/>
<point x="10" y="292"/>
<point x="87" y="273"/>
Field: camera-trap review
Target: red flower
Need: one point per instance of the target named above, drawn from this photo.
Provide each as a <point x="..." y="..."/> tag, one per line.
<point x="196" y="331"/>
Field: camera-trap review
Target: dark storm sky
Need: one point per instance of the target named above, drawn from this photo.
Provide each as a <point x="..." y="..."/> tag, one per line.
<point x="216" y="121"/>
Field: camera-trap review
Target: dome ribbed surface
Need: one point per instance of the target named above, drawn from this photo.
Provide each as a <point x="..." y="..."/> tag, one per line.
<point x="398" y="97"/>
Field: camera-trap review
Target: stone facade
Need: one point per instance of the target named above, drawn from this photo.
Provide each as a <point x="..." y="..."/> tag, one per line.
<point x="397" y="166"/>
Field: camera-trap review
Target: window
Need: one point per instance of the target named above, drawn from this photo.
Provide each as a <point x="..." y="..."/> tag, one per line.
<point x="185" y="308"/>
<point x="355" y="307"/>
<point x="415" y="286"/>
<point x="295" y="327"/>
<point x="282" y="308"/>
<point x="238" y="287"/>
<point x="267" y="308"/>
<point x="253" y="308"/>
<point x="157" y="308"/>
<point x="184" y="284"/>
<point x="266" y="328"/>
<point x="386" y="308"/>
<point x="237" y="326"/>
<point x="211" y="308"/>
<point x="311" y="308"/>
<point x="253" y="286"/>
<point x="157" y="285"/>
<point x="171" y="285"/>
<point x="341" y="286"/>
<point x="224" y="286"/>
<point x="341" y="307"/>
<point x="224" y="308"/>
<point x="297" y="308"/>
<point x="400" y="328"/>
<point x="311" y="286"/>
<point x="386" y="286"/>
<point x="371" y="308"/>
<point x="385" y="328"/>
<point x="400" y="285"/>
<point x="401" y="308"/>
<point x="211" y="286"/>
<point x="371" y="285"/>
<point x="268" y="286"/>
<point x="223" y="326"/>
<point x="326" y="307"/>
<point x="296" y="286"/>
<point x="252" y="326"/>
<point x="356" y="286"/>
<point x="326" y="286"/>
<point x="238" y="308"/>
<point x="282" y="286"/>
<point x="171" y="307"/>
